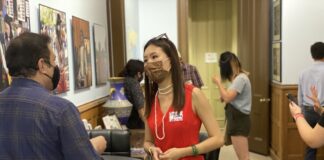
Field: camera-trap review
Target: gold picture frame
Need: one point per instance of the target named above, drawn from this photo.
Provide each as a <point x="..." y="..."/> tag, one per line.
<point x="276" y="20"/>
<point x="276" y="62"/>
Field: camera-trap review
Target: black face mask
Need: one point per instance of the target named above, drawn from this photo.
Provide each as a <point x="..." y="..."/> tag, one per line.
<point x="55" y="78"/>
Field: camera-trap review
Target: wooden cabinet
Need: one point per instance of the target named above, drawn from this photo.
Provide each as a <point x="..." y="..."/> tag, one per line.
<point x="286" y="143"/>
<point x="93" y="111"/>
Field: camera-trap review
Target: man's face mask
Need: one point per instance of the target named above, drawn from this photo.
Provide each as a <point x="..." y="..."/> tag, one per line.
<point x="155" y="70"/>
<point x="56" y="76"/>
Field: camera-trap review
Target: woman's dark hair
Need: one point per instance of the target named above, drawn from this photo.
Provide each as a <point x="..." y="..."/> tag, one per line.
<point x="132" y="68"/>
<point x="228" y="61"/>
<point x="24" y="51"/>
<point x="177" y="76"/>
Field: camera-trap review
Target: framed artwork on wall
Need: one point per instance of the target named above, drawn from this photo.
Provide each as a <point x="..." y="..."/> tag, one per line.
<point x="14" y="20"/>
<point x="276" y="62"/>
<point x="101" y="54"/>
<point x="81" y="53"/>
<point x="52" y="22"/>
<point x="276" y="20"/>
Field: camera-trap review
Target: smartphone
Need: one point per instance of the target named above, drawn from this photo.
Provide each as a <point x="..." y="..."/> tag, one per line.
<point x="292" y="98"/>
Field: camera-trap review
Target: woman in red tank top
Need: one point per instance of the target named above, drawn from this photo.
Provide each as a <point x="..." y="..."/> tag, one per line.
<point x="174" y="110"/>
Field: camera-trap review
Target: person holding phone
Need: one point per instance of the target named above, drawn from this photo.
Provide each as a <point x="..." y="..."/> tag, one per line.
<point x="312" y="136"/>
<point x="313" y="75"/>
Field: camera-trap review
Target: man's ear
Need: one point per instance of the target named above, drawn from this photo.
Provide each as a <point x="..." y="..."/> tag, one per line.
<point x="41" y="65"/>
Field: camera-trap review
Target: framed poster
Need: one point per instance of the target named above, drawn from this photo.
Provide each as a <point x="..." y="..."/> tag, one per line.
<point x="276" y="62"/>
<point x="14" y="18"/>
<point x="101" y="54"/>
<point x="81" y="53"/>
<point x="52" y="22"/>
<point x="276" y="20"/>
<point x="21" y="10"/>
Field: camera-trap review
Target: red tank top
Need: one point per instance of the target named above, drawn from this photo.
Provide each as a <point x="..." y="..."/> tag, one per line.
<point x="181" y="130"/>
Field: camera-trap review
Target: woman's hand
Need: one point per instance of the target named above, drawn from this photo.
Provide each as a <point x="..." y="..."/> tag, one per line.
<point x="156" y="152"/>
<point x="171" y="154"/>
<point x="216" y="80"/>
<point x="294" y="109"/>
<point x="317" y="105"/>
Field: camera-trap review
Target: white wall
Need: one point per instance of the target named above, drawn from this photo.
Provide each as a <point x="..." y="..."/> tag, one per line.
<point x="92" y="11"/>
<point x="157" y="17"/>
<point x="302" y="25"/>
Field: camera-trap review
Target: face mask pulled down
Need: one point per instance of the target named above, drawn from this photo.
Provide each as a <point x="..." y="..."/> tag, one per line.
<point x="156" y="72"/>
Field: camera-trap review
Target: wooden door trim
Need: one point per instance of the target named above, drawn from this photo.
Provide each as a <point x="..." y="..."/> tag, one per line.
<point x="183" y="14"/>
<point x="116" y="20"/>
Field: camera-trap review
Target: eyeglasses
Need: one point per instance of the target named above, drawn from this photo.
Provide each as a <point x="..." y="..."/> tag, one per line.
<point x="163" y="35"/>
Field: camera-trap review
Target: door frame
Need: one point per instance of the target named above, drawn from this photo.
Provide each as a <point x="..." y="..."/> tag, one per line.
<point x="249" y="44"/>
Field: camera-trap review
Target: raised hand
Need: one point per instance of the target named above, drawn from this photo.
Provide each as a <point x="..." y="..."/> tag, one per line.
<point x="313" y="97"/>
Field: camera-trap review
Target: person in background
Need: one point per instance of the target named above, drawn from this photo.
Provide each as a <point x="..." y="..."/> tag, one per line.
<point x="313" y="75"/>
<point x="34" y="124"/>
<point x="190" y="73"/>
<point x="133" y="73"/>
<point x="312" y="136"/>
<point x="238" y="102"/>
<point x="174" y="110"/>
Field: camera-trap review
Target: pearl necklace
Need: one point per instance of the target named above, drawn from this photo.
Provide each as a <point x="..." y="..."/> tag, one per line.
<point x="161" y="91"/>
<point x="156" y="132"/>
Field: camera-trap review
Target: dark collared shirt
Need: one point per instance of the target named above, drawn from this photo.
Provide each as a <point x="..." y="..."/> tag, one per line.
<point x="190" y="74"/>
<point x="35" y="125"/>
